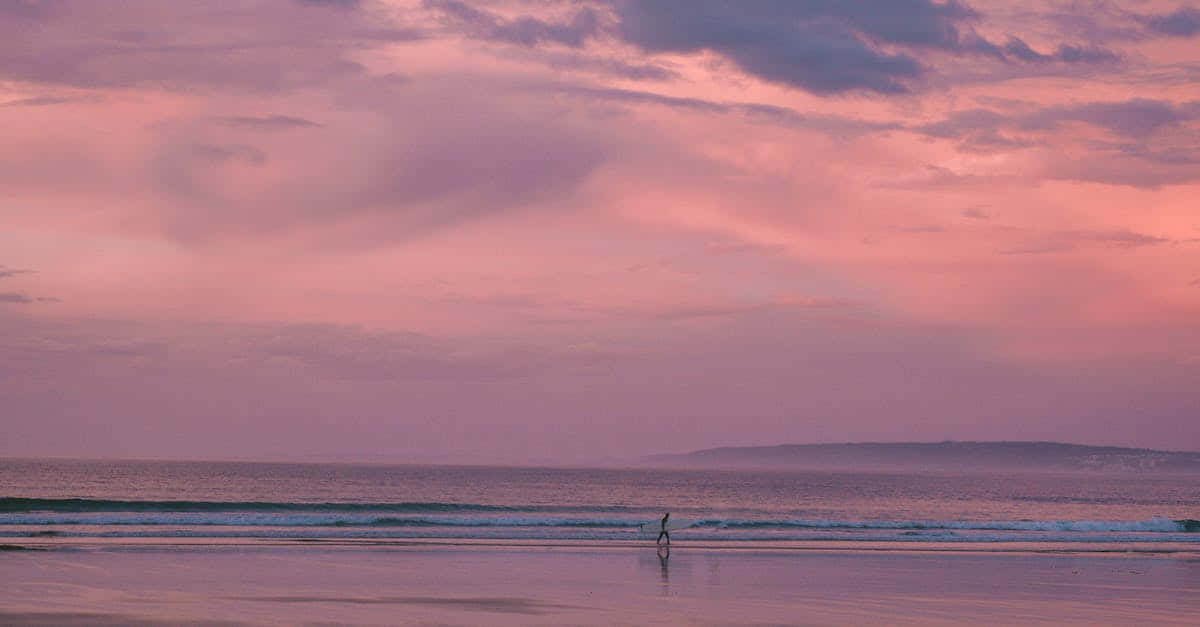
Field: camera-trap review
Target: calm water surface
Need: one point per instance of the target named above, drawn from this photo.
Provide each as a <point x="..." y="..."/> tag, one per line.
<point x="84" y="498"/>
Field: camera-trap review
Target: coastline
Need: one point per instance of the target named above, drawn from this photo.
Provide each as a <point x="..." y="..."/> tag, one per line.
<point x="1184" y="550"/>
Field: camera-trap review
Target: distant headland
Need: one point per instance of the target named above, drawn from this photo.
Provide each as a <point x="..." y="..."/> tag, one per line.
<point x="949" y="455"/>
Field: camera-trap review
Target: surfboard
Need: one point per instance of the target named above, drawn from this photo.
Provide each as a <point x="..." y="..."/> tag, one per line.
<point x="651" y="528"/>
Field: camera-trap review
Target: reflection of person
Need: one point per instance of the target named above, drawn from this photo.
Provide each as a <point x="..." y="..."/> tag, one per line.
<point x="663" y="533"/>
<point x="664" y="554"/>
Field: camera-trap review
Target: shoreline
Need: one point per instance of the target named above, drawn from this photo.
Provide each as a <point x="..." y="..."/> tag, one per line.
<point x="521" y="583"/>
<point x="1180" y="550"/>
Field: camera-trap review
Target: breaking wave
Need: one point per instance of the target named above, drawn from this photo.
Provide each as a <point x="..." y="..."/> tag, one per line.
<point x="109" y="513"/>
<point x="1151" y="525"/>
<point x="16" y="504"/>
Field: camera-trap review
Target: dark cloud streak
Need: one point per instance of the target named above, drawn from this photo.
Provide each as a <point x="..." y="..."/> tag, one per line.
<point x="1137" y="117"/>
<point x="835" y="125"/>
<point x="801" y="44"/>
<point x="1068" y="241"/>
<point x="524" y="31"/>
<point x="828" y="47"/>
<point x="600" y="65"/>
<point x="1183" y="22"/>
<point x="1065" y="53"/>
<point x="36" y="101"/>
<point x="267" y="123"/>
<point x="1152" y="142"/>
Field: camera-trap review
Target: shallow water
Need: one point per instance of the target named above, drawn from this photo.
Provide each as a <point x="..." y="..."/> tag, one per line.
<point x="422" y="583"/>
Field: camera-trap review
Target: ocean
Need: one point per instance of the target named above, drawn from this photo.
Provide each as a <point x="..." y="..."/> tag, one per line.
<point x="94" y="499"/>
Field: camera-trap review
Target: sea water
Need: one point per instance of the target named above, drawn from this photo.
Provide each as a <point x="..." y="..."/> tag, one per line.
<point x="226" y="500"/>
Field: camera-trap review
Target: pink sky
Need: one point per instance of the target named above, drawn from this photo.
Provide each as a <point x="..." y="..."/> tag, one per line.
<point x="535" y="231"/>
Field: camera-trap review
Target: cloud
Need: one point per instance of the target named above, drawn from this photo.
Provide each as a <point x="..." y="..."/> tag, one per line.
<point x="468" y="162"/>
<point x="1123" y="168"/>
<point x="797" y="44"/>
<point x="829" y="47"/>
<point x="128" y="347"/>
<point x="1114" y="238"/>
<point x="1037" y="249"/>
<point x="1137" y="117"/>
<point x="924" y="228"/>
<point x="146" y="43"/>
<point x="590" y="62"/>
<point x="379" y="174"/>
<point x="6" y="272"/>
<point x="1070" y="53"/>
<point x="36" y="101"/>
<point x="753" y="111"/>
<point x="643" y="97"/>
<point x="1069" y="240"/>
<point x="306" y="350"/>
<point x="14" y="297"/>
<point x="266" y="123"/>
<point x="1065" y="53"/>
<point x="349" y="352"/>
<point x="524" y="31"/>
<point x="958" y="123"/>
<point x="1168" y="156"/>
<point x="341" y="4"/>
<point x="231" y="152"/>
<point x="976" y="130"/>
<point x="1019" y="49"/>
<point x="790" y="303"/>
<point x="1183" y="22"/>
<point x="1151" y="142"/>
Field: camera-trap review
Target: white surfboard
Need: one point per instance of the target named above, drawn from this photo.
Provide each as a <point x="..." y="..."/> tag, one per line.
<point x="650" y="529"/>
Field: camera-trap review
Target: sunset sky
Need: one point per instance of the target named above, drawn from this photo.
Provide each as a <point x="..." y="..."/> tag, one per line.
<point x="538" y="231"/>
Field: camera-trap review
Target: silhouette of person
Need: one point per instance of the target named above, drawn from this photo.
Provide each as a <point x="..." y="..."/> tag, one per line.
<point x="663" y="533"/>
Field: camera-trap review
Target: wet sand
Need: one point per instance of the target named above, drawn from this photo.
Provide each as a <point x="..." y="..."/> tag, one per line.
<point x="519" y="584"/>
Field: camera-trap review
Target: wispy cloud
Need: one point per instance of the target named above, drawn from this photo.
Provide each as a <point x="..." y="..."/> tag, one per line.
<point x="14" y="297"/>
<point x="1063" y="241"/>
<point x="266" y="123"/>
<point x="6" y="272"/>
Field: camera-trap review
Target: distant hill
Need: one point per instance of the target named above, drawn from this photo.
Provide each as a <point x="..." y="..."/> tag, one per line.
<point x="1043" y="456"/>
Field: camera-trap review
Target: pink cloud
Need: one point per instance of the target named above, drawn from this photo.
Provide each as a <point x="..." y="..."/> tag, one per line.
<point x="474" y="234"/>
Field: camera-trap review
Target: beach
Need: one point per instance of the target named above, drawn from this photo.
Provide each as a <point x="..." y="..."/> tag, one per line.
<point x="137" y="542"/>
<point x="517" y="583"/>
